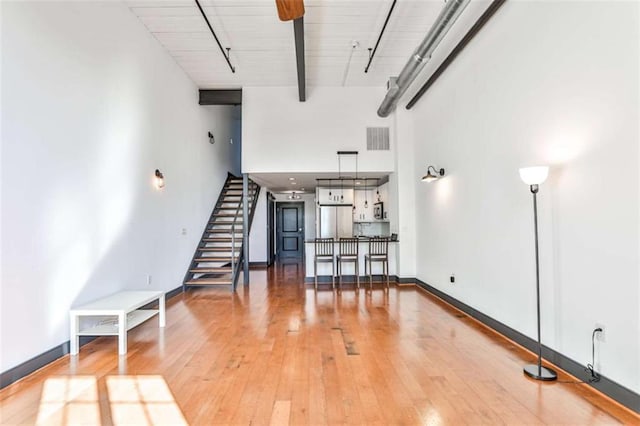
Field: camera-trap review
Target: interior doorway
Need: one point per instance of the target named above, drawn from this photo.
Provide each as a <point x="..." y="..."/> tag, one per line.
<point x="290" y="230"/>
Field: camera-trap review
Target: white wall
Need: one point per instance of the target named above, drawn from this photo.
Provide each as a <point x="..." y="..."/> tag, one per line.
<point x="281" y="134"/>
<point x="258" y="233"/>
<point x="544" y="83"/>
<point x="91" y="106"/>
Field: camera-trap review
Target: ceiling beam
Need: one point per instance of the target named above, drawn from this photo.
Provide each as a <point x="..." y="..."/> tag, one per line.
<point x="298" y="32"/>
<point x="221" y="97"/>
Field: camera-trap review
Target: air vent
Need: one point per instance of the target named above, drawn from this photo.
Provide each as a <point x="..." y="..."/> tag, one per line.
<point x="377" y="139"/>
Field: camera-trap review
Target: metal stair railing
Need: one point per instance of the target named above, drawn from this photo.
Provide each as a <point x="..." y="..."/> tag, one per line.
<point x="234" y="266"/>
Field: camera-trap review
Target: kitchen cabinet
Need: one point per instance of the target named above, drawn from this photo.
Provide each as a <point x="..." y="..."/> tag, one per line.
<point x="362" y="213"/>
<point x="339" y="196"/>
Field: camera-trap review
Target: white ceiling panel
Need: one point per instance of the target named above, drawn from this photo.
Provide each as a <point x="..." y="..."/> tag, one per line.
<point x="262" y="47"/>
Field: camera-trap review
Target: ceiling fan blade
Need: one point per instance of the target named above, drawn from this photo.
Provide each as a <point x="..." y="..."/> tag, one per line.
<point x="289" y="10"/>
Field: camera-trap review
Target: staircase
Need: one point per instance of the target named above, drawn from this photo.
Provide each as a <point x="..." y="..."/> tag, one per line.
<point x="219" y="256"/>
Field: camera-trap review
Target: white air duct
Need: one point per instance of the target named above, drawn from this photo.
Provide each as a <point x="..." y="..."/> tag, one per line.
<point x="397" y="87"/>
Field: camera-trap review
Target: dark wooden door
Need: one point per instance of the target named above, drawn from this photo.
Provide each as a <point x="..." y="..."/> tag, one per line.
<point x="290" y="229"/>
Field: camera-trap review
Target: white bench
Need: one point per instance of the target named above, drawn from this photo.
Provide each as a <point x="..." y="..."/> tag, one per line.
<point x="124" y="306"/>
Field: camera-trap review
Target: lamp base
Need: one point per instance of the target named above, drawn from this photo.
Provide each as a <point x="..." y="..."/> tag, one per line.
<point x="545" y="374"/>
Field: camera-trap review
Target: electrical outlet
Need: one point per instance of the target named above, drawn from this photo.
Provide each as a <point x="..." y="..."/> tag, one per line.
<point x="148" y="279"/>
<point x="452" y="278"/>
<point x="601" y="336"/>
<point x="184" y="231"/>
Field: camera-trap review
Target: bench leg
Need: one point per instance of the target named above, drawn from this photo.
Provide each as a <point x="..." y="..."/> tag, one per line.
<point x="122" y="333"/>
<point x="161" y="314"/>
<point x="74" y="341"/>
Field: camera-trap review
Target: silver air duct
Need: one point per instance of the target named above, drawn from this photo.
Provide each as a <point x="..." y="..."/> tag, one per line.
<point x="422" y="54"/>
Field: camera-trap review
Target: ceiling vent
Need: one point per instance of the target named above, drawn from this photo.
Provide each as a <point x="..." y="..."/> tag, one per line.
<point x="377" y="139"/>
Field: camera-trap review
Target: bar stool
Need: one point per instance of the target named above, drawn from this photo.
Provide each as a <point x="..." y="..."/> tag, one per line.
<point x="378" y="252"/>
<point x="324" y="249"/>
<point x="348" y="250"/>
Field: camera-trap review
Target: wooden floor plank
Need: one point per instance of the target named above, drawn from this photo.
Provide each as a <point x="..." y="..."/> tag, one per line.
<point x="279" y="352"/>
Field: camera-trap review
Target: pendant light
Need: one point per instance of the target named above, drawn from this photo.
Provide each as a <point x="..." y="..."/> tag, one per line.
<point x="366" y="202"/>
<point x="378" y="189"/>
<point x="329" y="189"/>
<point x="341" y="181"/>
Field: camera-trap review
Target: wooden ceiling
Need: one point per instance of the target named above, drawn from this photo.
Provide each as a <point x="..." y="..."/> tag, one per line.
<point x="262" y="46"/>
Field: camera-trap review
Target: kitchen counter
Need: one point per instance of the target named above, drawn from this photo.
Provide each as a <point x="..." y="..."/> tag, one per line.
<point x="348" y="268"/>
<point x="362" y="239"/>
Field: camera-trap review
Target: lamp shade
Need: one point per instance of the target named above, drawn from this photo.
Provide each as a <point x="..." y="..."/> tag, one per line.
<point x="432" y="174"/>
<point x="534" y="175"/>
<point x="429" y="177"/>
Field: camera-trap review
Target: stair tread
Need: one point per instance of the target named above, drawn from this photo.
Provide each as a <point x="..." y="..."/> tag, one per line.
<point x="210" y="270"/>
<point x="219" y="249"/>
<point x="212" y="259"/>
<point x="209" y="281"/>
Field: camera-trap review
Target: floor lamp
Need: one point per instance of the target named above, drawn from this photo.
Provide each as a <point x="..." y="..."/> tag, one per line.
<point x="534" y="176"/>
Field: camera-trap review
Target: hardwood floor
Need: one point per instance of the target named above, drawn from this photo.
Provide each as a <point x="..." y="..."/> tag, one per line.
<point x="280" y="353"/>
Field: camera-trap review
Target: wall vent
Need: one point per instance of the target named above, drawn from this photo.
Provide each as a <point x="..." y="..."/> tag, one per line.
<point x="377" y="139"/>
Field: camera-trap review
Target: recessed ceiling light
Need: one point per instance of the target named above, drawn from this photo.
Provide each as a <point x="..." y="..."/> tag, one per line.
<point x="293" y="183"/>
<point x="292" y="178"/>
<point x="357" y="182"/>
<point x="301" y="189"/>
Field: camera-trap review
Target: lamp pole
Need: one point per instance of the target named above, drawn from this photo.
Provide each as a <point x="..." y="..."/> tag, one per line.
<point x="538" y="372"/>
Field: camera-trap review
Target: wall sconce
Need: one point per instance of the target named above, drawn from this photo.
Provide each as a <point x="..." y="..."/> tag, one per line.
<point x="159" y="179"/>
<point x="212" y="140"/>
<point x="432" y="174"/>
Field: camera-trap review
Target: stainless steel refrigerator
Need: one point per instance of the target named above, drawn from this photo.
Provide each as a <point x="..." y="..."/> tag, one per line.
<point x="335" y="221"/>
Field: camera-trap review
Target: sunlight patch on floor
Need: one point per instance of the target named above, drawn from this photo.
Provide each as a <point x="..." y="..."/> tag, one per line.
<point x="142" y="400"/>
<point x="133" y="400"/>
<point x="69" y="400"/>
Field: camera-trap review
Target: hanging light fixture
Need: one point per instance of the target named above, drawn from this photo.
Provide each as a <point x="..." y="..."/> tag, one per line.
<point x="366" y="202"/>
<point x="378" y="189"/>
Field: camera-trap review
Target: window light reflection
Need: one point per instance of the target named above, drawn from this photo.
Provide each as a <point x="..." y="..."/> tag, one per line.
<point x="133" y="400"/>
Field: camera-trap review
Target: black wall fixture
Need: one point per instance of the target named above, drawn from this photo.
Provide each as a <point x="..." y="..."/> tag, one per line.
<point x="220" y="97"/>
<point x="225" y="54"/>
<point x="298" y="33"/>
<point x="372" y="52"/>
<point x="475" y="29"/>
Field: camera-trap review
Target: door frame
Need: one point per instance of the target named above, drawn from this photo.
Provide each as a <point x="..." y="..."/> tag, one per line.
<point x="271" y="229"/>
<point x="278" y="206"/>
